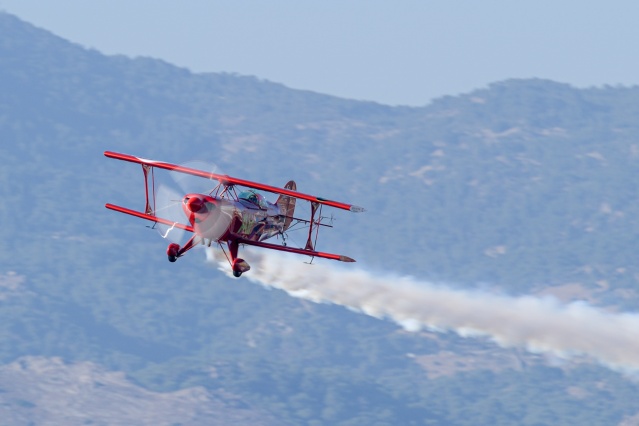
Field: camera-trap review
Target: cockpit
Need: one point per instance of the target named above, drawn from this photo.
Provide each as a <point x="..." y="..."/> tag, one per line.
<point x="254" y="198"/>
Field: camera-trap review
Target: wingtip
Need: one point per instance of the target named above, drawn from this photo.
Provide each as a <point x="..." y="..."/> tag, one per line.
<point x="346" y="259"/>
<point x="357" y="209"/>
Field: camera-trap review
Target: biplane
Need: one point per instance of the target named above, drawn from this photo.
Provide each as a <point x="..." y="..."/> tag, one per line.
<point x="233" y="213"/>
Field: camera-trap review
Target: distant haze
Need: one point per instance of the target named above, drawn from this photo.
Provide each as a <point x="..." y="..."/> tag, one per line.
<point x="394" y="53"/>
<point x="526" y="187"/>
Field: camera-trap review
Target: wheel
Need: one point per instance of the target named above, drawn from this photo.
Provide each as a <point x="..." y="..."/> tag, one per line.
<point x="172" y="252"/>
<point x="237" y="274"/>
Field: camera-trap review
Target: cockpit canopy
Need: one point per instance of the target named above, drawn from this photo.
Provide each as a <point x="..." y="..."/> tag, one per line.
<point x="253" y="197"/>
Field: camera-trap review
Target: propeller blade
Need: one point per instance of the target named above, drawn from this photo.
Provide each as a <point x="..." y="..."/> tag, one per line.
<point x="214" y="220"/>
<point x="168" y="204"/>
<point x="221" y="217"/>
<point x="189" y="183"/>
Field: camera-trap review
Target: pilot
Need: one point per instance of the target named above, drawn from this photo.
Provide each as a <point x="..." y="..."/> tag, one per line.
<point x="254" y="198"/>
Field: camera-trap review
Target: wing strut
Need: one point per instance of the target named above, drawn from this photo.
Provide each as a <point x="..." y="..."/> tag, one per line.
<point x="309" y="242"/>
<point x="145" y="169"/>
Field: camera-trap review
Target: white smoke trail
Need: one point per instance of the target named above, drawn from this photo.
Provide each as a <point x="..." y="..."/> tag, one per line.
<point x="539" y="324"/>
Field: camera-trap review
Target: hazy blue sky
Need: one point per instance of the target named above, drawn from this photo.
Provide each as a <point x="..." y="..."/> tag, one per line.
<point x="394" y="52"/>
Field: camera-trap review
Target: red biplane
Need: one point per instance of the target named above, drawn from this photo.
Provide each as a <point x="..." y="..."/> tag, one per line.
<point x="225" y="215"/>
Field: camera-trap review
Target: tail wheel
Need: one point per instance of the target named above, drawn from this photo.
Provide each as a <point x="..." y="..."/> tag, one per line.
<point x="172" y="252"/>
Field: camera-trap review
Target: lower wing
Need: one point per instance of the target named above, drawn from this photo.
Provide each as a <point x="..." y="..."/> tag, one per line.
<point x="150" y="217"/>
<point x="311" y="253"/>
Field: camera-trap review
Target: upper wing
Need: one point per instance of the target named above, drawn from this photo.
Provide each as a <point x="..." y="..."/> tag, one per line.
<point x="229" y="181"/>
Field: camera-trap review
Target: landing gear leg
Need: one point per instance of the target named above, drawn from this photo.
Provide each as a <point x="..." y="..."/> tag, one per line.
<point x="238" y="265"/>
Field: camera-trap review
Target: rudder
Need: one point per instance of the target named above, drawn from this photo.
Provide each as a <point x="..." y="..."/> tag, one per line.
<point x="286" y="204"/>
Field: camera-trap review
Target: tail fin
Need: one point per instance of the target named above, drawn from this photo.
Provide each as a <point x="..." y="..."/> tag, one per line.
<point x="287" y="204"/>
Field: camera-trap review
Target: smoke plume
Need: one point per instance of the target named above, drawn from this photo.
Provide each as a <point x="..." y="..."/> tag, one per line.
<point x="538" y="324"/>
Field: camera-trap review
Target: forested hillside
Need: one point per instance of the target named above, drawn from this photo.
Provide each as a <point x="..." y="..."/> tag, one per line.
<point x="522" y="187"/>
